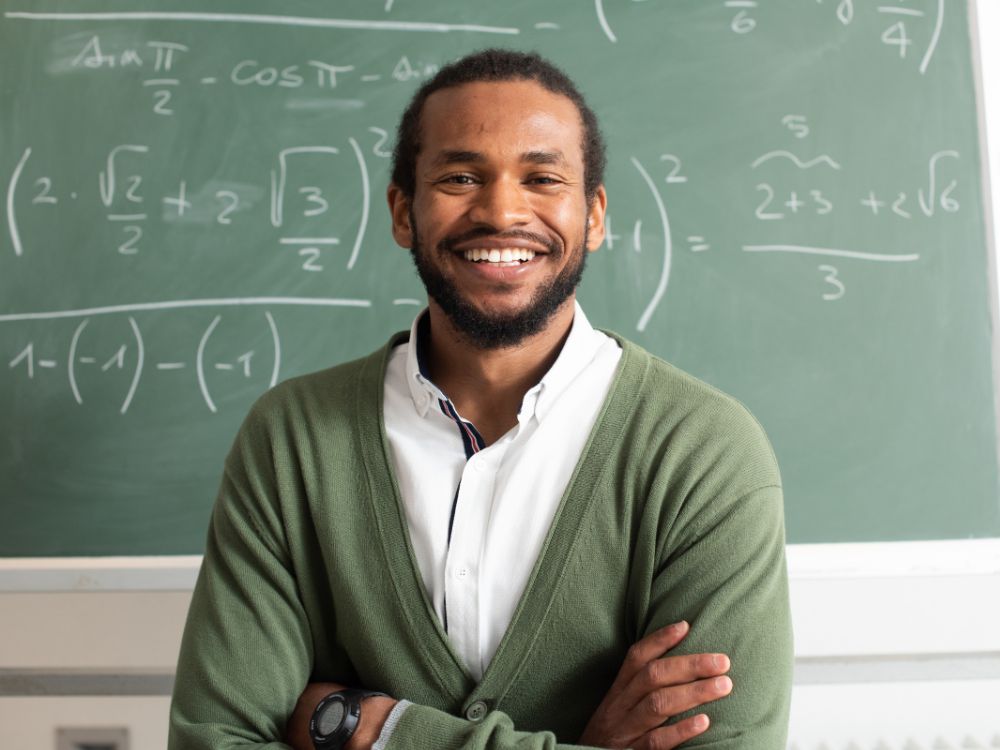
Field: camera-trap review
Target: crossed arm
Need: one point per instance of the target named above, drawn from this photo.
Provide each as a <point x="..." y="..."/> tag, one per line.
<point x="650" y="688"/>
<point x="245" y="700"/>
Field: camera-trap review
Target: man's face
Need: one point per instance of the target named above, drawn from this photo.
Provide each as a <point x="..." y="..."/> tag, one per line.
<point x="499" y="223"/>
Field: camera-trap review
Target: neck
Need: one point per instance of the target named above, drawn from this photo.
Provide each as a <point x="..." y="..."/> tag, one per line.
<point x="488" y="385"/>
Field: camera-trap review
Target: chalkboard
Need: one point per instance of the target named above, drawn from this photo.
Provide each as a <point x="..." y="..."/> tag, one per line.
<point x="194" y="210"/>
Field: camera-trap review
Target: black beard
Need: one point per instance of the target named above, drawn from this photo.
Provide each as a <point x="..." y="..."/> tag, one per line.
<point x="497" y="331"/>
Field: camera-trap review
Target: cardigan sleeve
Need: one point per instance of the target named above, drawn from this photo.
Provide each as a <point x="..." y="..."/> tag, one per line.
<point x="725" y="573"/>
<point x="246" y="653"/>
<point x="421" y="727"/>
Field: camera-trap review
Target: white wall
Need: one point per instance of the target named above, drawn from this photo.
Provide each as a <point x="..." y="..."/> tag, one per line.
<point x="903" y="624"/>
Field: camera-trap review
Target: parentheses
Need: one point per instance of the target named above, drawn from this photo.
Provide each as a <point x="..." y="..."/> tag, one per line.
<point x="71" y="364"/>
<point x="275" y="221"/>
<point x="661" y="287"/>
<point x="365" y="202"/>
<point x="603" y="20"/>
<point x="139" y="362"/>
<point x="15" y="236"/>
<point x="200" y="363"/>
<point x="277" y="348"/>
<point x="935" y="37"/>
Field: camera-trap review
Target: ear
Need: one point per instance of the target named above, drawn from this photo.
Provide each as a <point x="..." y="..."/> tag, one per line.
<point x="399" y="210"/>
<point x="595" y="219"/>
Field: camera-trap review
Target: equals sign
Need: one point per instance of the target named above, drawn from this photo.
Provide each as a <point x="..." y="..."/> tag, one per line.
<point x="697" y="243"/>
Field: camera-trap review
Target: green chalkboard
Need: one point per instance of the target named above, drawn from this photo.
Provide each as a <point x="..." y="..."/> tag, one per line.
<point x="194" y="209"/>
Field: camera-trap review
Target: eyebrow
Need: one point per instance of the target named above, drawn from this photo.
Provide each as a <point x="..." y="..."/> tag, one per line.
<point x="451" y="156"/>
<point x="458" y="156"/>
<point x="544" y="157"/>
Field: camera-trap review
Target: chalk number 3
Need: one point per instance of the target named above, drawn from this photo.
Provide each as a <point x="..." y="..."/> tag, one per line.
<point x="832" y="280"/>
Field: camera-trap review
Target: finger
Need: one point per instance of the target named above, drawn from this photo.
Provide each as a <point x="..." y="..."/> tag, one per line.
<point x="659" y="705"/>
<point x="665" y="738"/>
<point x="674" y="670"/>
<point x="645" y="650"/>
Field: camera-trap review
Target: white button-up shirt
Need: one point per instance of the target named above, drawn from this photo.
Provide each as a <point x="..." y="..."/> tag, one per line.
<point x="478" y="515"/>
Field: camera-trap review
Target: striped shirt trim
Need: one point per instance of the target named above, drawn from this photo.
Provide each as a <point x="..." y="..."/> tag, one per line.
<point x="472" y="441"/>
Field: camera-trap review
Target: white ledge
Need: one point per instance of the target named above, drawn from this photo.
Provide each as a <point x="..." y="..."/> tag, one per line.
<point x="927" y="559"/>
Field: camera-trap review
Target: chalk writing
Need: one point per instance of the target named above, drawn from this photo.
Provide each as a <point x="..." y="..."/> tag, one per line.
<point x="130" y="356"/>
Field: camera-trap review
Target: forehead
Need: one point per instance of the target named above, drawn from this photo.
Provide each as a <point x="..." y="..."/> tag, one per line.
<point x="500" y="116"/>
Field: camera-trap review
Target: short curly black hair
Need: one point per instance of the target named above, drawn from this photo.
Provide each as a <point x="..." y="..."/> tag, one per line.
<point x="497" y="65"/>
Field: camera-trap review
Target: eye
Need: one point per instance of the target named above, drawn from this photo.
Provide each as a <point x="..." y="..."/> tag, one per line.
<point x="458" y="179"/>
<point x="544" y="179"/>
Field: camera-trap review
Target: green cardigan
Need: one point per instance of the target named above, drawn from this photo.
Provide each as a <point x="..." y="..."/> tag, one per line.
<point x="673" y="512"/>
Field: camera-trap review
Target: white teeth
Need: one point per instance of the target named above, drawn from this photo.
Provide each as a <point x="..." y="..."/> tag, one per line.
<point x="507" y="255"/>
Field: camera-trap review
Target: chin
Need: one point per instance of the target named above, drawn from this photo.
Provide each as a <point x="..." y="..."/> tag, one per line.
<point x="501" y="309"/>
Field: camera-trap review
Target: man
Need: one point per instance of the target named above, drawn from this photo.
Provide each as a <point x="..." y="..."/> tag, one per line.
<point x="519" y="529"/>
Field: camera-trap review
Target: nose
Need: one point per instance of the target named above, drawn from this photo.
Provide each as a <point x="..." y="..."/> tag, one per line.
<point x="501" y="204"/>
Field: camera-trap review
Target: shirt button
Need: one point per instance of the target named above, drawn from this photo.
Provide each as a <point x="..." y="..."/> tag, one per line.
<point x="476" y="711"/>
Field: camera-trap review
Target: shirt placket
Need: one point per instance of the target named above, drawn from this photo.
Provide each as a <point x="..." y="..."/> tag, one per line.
<point x="462" y="564"/>
<point x="468" y="528"/>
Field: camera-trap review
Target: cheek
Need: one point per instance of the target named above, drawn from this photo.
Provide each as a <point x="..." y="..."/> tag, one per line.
<point x="567" y="219"/>
<point x="436" y="216"/>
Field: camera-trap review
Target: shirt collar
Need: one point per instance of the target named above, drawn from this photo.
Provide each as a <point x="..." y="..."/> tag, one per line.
<point x="422" y="390"/>
<point x="579" y="349"/>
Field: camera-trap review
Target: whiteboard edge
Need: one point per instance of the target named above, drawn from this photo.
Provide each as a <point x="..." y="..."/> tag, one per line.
<point x="989" y="220"/>
<point x="951" y="557"/>
<point x="80" y="574"/>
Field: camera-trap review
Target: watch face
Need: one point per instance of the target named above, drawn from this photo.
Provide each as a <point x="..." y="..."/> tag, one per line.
<point x="331" y="718"/>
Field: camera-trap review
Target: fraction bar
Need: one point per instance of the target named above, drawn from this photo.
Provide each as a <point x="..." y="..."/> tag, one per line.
<point x="188" y="303"/>
<point x="323" y="23"/>
<point x="900" y="11"/>
<point x="829" y="251"/>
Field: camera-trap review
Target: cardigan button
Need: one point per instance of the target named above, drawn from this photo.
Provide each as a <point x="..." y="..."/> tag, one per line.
<point x="476" y="711"/>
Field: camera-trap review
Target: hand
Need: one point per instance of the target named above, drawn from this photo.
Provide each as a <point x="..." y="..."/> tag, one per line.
<point x="650" y="688"/>
<point x="374" y="712"/>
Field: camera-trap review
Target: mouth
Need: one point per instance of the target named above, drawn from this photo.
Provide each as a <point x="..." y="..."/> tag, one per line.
<point x="505" y="257"/>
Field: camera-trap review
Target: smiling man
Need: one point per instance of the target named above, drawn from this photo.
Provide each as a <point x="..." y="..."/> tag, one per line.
<point x="504" y="528"/>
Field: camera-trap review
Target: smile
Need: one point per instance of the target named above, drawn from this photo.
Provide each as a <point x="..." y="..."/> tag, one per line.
<point x="494" y="255"/>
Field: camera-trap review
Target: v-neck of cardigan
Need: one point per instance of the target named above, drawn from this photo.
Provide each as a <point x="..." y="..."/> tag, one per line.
<point x="543" y="582"/>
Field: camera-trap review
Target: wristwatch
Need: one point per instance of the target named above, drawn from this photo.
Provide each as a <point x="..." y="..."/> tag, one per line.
<point x="337" y="717"/>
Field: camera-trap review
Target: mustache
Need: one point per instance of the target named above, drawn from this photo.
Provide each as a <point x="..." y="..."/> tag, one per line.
<point x="450" y="242"/>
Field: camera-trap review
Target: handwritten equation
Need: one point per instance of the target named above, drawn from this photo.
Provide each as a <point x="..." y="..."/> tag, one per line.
<point x="909" y="29"/>
<point x="86" y="358"/>
<point x="123" y="197"/>
<point x="165" y="59"/>
<point x="784" y="189"/>
<point x="781" y="193"/>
